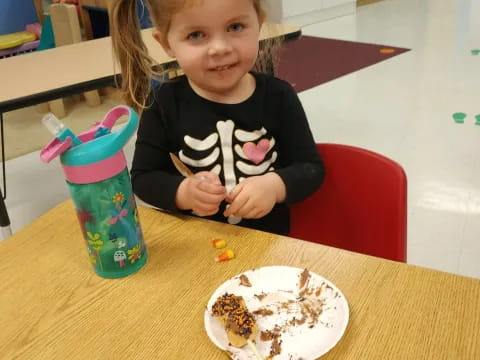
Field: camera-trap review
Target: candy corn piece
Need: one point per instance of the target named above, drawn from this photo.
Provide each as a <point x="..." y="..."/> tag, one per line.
<point x="225" y="256"/>
<point x="219" y="243"/>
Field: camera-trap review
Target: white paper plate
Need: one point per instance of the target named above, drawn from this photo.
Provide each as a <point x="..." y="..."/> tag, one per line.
<point x="279" y="285"/>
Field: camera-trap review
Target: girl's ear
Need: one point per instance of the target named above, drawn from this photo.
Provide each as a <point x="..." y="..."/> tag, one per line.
<point x="162" y="40"/>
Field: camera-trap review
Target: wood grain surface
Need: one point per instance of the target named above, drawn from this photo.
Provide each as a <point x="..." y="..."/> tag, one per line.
<point x="53" y="306"/>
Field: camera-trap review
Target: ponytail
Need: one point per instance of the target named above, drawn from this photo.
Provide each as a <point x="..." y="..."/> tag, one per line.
<point x="131" y="53"/>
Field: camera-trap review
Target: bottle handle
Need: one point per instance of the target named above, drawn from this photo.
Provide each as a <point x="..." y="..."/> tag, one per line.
<point x="116" y="113"/>
<point x="100" y="143"/>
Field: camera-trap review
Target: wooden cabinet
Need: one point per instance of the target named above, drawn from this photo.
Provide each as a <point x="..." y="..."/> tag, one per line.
<point x="88" y="3"/>
<point x="95" y="3"/>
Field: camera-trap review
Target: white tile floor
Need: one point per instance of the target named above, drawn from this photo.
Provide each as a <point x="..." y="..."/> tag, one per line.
<point x="401" y="108"/>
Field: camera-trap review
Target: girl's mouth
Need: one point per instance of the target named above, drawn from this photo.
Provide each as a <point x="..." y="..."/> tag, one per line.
<point x="222" y="67"/>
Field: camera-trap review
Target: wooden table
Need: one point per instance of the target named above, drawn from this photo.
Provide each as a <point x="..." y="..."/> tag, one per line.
<point x="46" y="75"/>
<point x="51" y="74"/>
<point x="52" y="305"/>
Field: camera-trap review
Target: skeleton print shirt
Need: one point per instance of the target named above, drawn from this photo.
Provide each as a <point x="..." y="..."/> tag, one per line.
<point x="266" y="132"/>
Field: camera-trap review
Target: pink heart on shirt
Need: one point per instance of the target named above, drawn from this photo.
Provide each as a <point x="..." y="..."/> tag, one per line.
<point x="256" y="153"/>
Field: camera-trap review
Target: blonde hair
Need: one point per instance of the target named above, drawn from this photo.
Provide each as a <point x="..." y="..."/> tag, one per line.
<point x="137" y="67"/>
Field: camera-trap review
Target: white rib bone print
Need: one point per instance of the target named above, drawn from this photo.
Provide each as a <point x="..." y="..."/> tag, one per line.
<point x="225" y="130"/>
<point x="202" y="145"/>
<point x="206" y="161"/>
<point x="245" y="136"/>
<point x="248" y="169"/>
<point x="225" y="133"/>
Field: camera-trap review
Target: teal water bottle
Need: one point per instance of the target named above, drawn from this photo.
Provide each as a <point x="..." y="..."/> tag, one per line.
<point x="97" y="176"/>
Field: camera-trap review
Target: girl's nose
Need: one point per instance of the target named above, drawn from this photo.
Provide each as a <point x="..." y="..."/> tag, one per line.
<point x="219" y="46"/>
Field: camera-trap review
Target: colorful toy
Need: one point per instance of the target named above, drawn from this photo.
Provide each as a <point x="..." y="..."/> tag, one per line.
<point x="96" y="173"/>
<point x="18" y="50"/>
<point x="16" y="39"/>
<point x="35" y="28"/>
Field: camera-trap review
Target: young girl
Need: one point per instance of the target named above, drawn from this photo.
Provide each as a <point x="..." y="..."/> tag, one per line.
<point x="243" y="133"/>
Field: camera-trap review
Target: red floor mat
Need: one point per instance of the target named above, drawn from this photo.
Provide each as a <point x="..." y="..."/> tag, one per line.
<point x="311" y="61"/>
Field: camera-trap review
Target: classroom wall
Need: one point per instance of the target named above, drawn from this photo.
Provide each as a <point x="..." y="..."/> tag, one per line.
<point x="304" y="12"/>
<point x="274" y="10"/>
<point x="15" y="14"/>
<point x="293" y="7"/>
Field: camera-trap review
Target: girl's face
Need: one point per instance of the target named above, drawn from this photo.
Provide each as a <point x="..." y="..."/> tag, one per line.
<point x="215" y="43"/>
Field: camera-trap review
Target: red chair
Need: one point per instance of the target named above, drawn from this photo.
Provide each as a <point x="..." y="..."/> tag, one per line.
<point x="361" y="206"/>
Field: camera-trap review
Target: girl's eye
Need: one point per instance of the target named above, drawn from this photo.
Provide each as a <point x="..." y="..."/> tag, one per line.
<point x="236" y="27"/>
<point x="196" y="35"/>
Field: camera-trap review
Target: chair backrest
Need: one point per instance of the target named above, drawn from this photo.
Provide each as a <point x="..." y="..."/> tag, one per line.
<point x="361" y="206"/>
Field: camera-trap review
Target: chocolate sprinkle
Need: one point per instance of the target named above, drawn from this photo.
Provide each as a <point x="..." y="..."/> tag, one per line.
<point x="244" y="281"/>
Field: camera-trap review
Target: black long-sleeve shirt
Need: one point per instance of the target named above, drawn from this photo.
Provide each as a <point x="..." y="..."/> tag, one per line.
<point x="267" y="132"/>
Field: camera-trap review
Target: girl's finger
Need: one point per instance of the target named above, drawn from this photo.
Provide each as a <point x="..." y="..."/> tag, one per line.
<point x="246" y="208"/>
<point x="236" y="205"/>
<point x="234" y="193"/>
<point x="209" y="177"/>
<point x="203" y="197"/>
<point x="211" y="188"/>
<point x="253" y="213"/>
<point x="205" y="209"/>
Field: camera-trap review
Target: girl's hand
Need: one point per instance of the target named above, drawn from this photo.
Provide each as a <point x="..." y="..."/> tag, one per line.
<point x="202" y="194"/>
<point x="255" y="196"/>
